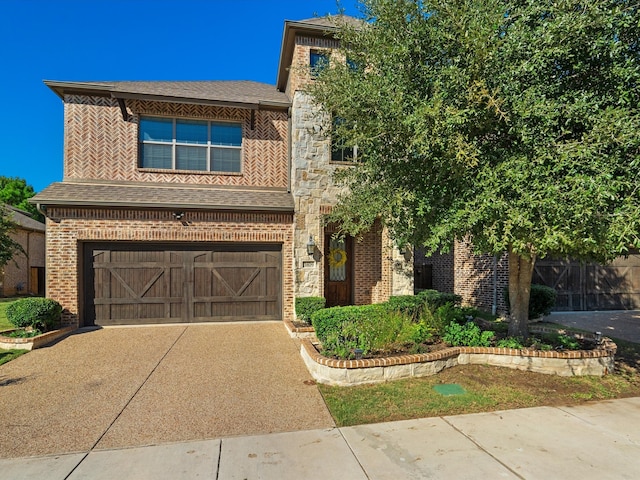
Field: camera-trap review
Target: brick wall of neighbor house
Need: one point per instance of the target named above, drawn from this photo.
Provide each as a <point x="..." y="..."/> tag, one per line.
<point x="17" y="271"/>
<point x="74" y="225"/>
<point x="473" y="278"/>
<point x="299" y="71"/>
<point x="100" y="144"/>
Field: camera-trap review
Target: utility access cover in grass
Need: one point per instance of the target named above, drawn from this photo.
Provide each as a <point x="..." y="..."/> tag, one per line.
<point x="449" y="389"/>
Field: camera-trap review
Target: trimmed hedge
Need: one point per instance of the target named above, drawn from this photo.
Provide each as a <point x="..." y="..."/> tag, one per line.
<point x="542" y="299"/>
<point x="307" y="306"/>
<point x="341" y="330"/>
<point x="39" y="313"/>
<point x="436" y="299"/>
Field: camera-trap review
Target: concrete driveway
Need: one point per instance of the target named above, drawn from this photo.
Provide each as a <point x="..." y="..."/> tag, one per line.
<point x="124" y="387"/>
<point x="623" y="324"/>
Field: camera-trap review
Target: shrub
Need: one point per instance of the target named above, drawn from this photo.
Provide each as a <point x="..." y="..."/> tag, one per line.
<point x="410" y="305"/>
<point x="370" y="328"/>
<point x="307" y="306"/>
<point x="541" y="300"/>
<point x="38" y="313"/>
<point x="435" y="299"/>
<point x="510" y="342"/>
<point x="468" y="335"/>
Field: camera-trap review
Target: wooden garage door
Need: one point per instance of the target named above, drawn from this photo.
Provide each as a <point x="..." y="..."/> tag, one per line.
<point x="169" y="283"/>
<point x="591" y="286"/>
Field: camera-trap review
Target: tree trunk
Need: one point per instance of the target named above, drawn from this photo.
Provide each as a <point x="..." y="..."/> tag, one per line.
<point x="520" y="273"/>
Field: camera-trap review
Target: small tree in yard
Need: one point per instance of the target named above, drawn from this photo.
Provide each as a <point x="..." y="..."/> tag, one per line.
<point x="513" y="124"/>
<point x="8" y="246"/>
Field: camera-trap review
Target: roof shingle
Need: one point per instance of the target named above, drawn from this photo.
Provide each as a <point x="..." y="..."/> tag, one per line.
<point x="139" y="195"/>
<point x="226" y="91"/>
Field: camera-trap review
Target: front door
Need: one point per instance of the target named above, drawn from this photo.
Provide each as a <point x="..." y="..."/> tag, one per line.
<point x="338" y="271"/>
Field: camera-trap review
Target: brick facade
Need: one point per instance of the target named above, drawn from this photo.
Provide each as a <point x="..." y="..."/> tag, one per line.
<point x="101" y="145"/>
<point x="72" y="226"/>
<point x="284" y="151"/>
<point x="299" y="71"/>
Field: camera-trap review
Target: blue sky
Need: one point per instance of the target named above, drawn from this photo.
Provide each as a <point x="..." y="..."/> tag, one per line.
<point x="100" y="40"/>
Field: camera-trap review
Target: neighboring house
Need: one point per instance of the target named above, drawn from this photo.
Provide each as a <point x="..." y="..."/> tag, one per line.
<point x="482" y="279"/>
<point x="200" y="201"/>
<point x="25" y="274"/>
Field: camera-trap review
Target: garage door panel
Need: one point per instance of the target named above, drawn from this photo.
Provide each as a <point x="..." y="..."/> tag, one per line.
<point x="590" y="286"/>
<point x="142" y="283"/>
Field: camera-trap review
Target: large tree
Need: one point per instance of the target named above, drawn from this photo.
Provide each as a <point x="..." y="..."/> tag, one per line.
<point x="16" y="192"/>
<point x="513" y="124"/>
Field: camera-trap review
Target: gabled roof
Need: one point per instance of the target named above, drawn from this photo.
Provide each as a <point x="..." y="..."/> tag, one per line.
<point x="231" y="93"/>
<point x="24" y="220"/>
<point x="318" y="27"/>
<point x="164" y="196"/>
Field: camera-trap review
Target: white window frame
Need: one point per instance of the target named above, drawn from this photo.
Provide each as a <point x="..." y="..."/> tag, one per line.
<point x="209" y="146"/>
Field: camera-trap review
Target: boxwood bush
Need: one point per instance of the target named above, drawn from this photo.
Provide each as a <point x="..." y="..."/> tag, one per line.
<point x="542" y="299"/>
<point x="39" y="313"/>
<point x="307" y="306"/>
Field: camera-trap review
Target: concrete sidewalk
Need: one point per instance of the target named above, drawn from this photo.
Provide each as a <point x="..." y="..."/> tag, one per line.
<point x="599" y="440"/>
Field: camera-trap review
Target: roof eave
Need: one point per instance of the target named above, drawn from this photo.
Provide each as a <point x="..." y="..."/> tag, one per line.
<point x="260" y="104"/>
<point x="62" y="88"/>
<point x="155" y="205"/>
<point x="291" y="28"/>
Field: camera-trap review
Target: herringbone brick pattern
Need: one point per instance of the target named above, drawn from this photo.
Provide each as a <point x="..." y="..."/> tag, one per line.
<point x="100" y="144"/>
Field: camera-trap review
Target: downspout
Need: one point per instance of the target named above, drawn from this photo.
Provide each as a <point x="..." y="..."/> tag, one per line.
<point x="289" y="152"/>
<point x="28" y="261"/>
<point x="42" y="209"/>
<point x="494" y="307"/>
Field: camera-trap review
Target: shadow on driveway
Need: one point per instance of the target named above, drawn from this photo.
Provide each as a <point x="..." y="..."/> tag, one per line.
<point x="623" y="324"/>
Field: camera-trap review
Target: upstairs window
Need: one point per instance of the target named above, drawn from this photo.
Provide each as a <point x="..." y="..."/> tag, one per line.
<point x="340" y="152"/>
<point x="317" y="61"/>
<point x="196" y="145"/>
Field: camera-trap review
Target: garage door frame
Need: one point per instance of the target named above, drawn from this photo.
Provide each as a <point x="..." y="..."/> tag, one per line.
<point x="190" y="251"/>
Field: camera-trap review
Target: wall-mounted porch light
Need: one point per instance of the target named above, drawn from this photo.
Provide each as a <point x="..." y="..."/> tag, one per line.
<point x="311" y="246"/>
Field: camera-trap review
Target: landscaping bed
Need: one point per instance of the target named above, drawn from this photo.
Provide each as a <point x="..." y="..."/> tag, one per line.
<point x="30" y="343"/>
<point x="597" y="361"/>
<point x="421" y="335"/>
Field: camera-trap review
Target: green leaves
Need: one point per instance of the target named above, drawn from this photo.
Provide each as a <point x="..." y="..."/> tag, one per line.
<point x="8" y="246"/>
<point x="515" y="123"/>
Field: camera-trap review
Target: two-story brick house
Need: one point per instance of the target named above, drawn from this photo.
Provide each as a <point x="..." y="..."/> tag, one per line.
<point x="204" y="201"/>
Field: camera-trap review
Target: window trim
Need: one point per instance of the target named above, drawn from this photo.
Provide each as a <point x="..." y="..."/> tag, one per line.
<point x="174" y="144"/>
<point x="315" y="70"/>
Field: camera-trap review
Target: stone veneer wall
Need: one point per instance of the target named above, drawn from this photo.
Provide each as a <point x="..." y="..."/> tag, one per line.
<point x="378" y="271"/>
<point x="18" y="270"/>
<point x="72" y="226"/>
<point x="100" y="144"/>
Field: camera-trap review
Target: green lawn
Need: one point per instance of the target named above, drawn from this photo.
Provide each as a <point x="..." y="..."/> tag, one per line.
<point x="7" y="355"/>
<point x="4" y="303"/>
<point x="486" y="389"/>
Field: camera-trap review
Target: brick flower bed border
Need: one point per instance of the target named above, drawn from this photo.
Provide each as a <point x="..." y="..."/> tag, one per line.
<point x="330" y="371"/>
<point x="10" y="343"/>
